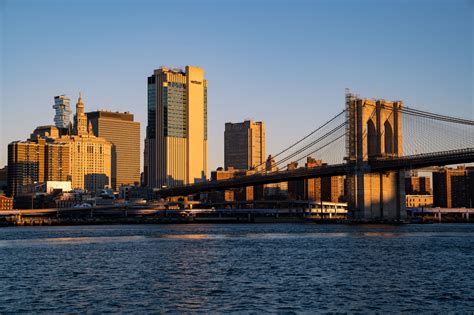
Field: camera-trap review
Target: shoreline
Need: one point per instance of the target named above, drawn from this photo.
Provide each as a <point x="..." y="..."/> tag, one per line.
<point x="76" y="221"/>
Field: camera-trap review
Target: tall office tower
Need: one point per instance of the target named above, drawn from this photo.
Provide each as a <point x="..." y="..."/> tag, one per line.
<point x="244" y="145"/>
<point x="176" y="139"/>
<point x="63" y="111"/>
<point x="36" y="161"/>
<point x="90" y="156"/>
<point x="124" y="134"/>
<point x="451" y="187"/>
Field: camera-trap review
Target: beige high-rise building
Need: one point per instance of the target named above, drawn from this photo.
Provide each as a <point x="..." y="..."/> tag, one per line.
<point x="90" y="156"/>
<point x="124" y="134"/>
<point x="37" y="161"/>
<point x="244" y="145"/>
<point x="176" y="140"/>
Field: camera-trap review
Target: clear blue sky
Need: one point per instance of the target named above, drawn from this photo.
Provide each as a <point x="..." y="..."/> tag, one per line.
<point x="284" y="62"/>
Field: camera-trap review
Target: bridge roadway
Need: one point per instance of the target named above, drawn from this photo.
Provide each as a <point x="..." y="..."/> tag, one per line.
<point x="374" y="166"/>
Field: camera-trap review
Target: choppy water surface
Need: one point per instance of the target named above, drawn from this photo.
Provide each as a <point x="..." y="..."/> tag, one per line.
<point x="237" y="268"/>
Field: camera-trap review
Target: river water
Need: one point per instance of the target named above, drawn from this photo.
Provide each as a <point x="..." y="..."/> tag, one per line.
<point x="237" y="268"/>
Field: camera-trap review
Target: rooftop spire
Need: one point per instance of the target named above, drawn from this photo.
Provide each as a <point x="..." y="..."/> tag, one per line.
<point x="79" y="100"/>
<point x="80" y="119"/>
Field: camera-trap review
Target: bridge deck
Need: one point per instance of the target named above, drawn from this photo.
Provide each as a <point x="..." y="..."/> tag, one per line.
<point x="375" y="166"/>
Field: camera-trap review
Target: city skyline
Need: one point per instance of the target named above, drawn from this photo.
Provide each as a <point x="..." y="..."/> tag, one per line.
<point x="431" y="70"/>
<point x="236" y="156"/>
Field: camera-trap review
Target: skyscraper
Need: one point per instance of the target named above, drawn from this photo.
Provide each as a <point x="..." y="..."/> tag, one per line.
<point x="244" y="145"/>
<point x="176" y="139"/>
<point x="124" y="134"/>
<point x="63" y="111"/>
<point x="36" y="161"/>
<point x="90" y="156"/>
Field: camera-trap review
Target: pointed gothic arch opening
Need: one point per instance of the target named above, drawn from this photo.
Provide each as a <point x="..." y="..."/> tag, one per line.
<point x="388" y="138"/>
<point x="371" y="139"/>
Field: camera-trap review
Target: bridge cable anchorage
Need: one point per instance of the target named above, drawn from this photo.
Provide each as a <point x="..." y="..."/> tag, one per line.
<point x="300" y="140"/>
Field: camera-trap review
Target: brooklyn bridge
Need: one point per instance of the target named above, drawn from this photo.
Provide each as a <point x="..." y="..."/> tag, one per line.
<point x="372" y="143"/>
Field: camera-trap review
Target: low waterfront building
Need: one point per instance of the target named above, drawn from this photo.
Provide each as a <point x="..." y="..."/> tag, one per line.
<point x="416" y="201"/>
<point x="6" y="203"/>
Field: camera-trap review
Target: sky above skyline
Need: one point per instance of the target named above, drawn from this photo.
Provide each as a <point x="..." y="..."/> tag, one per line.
<point x="284" y="62"/>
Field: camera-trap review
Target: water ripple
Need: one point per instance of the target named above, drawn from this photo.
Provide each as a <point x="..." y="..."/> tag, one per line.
<point x="252" y="268"/>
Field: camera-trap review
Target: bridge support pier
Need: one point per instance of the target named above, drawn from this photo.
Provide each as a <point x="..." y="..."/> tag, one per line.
<point x="379" y="197"/>
<point x="374" y="133"/>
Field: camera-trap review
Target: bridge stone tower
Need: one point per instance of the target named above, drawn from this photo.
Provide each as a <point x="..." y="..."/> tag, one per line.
<point x="374" y="132"/>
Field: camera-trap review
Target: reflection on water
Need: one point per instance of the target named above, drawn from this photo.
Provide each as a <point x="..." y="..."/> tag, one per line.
<point x="237" y="268"/>
<point x="68" y="240"/>
<point x="190" y="236"/>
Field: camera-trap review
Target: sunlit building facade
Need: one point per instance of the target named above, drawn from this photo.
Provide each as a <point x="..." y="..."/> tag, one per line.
<point x="124" y="135"/>
<point x="90" y="156"/>
<point x="38" y="161"/>
<point x="176" y="138"/>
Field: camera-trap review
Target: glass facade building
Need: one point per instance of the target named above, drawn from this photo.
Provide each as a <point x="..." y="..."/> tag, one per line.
<point x="63" y="111"/>
<point x="176" y="140"/>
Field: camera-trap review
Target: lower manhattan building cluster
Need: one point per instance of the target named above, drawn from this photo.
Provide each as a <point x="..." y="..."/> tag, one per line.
<point x="97" y="155"/>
